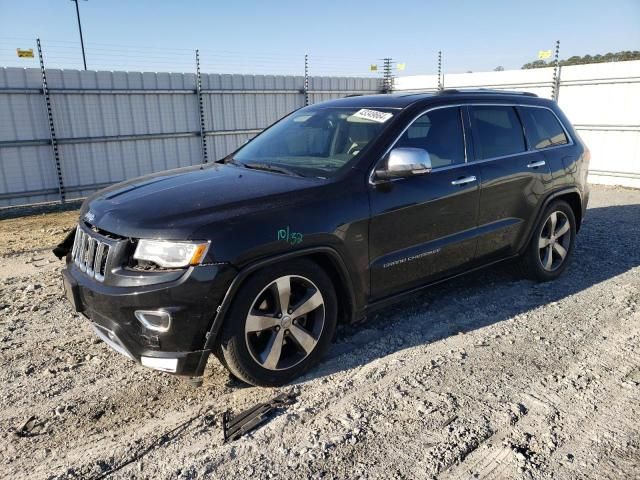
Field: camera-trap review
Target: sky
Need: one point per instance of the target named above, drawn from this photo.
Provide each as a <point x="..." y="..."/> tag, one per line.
<point x="341" y="37"/>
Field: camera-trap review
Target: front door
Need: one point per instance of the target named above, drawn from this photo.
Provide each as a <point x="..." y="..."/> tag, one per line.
<point x="423" y="227"/>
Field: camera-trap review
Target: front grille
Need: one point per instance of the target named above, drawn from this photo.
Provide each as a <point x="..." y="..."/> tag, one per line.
<point x="90" y="254"/>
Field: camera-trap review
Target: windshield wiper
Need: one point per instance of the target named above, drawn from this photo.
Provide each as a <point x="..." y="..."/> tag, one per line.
<point x="232" y="161"/>
<point x="270" y="168"/>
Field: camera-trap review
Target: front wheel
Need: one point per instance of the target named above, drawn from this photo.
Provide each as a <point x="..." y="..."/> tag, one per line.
<point x="280" y="323"/>
<point x="552" y="243"/>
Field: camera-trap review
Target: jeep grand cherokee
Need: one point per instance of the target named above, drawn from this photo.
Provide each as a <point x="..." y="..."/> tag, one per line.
<point x="336" y="209"/>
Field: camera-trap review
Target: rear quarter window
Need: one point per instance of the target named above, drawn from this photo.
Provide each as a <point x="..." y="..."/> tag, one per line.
<point x="497" y="131"/>
<point x="542" y="128"/>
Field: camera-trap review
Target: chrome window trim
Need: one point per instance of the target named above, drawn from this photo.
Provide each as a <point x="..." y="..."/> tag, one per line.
<point x="524" y="105"/>
<point x="373" y="181"/>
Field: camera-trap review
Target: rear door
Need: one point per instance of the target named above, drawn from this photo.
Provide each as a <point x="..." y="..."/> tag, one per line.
<point x="515" y="178"/>
<point x="422" y="227"/>
<point x="547" y="135"/>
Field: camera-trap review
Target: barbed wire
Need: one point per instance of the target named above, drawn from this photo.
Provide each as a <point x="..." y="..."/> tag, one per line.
<point x="66" y="54"/>
<point x="112" y="56"/>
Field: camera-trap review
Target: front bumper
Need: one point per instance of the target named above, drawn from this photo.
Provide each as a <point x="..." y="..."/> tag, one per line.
<point x="191" y="299"/>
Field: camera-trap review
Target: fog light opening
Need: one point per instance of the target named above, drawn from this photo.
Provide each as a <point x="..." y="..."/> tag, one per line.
<point x="164" y="364"/>
<point x="156" y="320"/>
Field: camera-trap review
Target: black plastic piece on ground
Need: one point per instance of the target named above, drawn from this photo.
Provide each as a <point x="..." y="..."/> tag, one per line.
<point x="235" y="427"/>
<point x="64" y="247"/>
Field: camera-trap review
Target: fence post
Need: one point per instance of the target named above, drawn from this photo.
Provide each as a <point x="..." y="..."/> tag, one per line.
<point x="555" y="88"/>
<point x="52" y="130"/>
<point x="203" y="139"/>
<point x="306" y="79"/>
<point x="558" y="83"/>
<point x="387" y="82"/>
<point x="440" y="79"/>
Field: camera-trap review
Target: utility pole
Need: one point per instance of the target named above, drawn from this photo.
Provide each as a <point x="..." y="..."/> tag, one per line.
<point x="84" y="60"/>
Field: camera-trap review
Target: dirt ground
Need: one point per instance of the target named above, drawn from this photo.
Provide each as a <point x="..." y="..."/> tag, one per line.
<point x="486" y="376"/>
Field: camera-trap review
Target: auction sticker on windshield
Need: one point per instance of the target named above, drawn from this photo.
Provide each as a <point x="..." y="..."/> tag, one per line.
<point x="372" y="115"/>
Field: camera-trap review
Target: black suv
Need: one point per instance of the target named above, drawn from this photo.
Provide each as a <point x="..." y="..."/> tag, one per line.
<point x="334" y="210"/>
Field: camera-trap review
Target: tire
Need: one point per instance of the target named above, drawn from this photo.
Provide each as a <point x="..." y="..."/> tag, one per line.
<point x="264" y="349"/>
<point x="543" y="260"/>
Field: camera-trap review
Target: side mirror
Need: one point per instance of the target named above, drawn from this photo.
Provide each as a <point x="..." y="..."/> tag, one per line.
<point x="405" y="162"/>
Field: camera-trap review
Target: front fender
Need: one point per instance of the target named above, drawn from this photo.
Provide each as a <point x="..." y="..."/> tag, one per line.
<point x="218" y="321"/>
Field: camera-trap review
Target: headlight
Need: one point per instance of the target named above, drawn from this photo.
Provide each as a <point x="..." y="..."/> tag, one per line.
<point x="169" y="254"/>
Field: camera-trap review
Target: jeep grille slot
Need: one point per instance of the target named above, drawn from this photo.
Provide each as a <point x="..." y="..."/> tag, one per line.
<point x="90" y="254"/>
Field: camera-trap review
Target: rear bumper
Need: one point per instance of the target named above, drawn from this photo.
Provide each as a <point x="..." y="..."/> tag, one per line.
<point x="191" y="300"/>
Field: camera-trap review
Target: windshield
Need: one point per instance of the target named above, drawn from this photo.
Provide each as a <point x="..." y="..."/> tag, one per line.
<point x="314" y="143"/>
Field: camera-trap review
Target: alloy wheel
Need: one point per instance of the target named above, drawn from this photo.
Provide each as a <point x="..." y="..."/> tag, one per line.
<point x="285" y="322"/>
<point x="554" y="241"/>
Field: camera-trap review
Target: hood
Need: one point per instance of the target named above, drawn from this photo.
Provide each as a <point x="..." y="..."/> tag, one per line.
<point x="175" y="203"/>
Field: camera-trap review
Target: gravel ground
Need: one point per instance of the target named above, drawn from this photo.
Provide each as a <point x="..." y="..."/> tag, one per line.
<point x="486" y="376"/>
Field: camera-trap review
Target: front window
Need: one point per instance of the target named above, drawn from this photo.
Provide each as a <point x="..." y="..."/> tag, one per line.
<point x="439" y="132"/>
<point x="314" y="143"/>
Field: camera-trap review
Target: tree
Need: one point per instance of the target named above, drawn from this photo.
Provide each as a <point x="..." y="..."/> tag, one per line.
<point x="576" y="60"/>
<point x="499" y="68"/>
<point x="536" y="64"/>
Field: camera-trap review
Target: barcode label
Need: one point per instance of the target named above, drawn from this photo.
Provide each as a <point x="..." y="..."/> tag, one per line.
<point x="373" y="115"/>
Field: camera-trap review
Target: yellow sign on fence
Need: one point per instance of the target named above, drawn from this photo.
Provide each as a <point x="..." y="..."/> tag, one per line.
<point x="544" y="54"/>
<point x="25" y="53"/>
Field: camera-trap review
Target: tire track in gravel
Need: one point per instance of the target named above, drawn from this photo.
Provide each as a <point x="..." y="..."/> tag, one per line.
<point x="498" y="459"/>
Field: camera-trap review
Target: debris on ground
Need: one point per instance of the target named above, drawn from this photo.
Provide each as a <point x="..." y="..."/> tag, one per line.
<point x="236" y="426"/>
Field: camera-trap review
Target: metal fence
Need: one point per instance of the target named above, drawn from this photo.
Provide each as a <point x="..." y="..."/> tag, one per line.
<point x="66" y="133"/>
<point x="96" y="128"/>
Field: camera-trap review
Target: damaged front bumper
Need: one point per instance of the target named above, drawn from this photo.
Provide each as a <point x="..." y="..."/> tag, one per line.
<point x="190" y="302"/>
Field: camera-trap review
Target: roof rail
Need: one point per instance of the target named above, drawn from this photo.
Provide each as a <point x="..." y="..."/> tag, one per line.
<point x="485" y="91"/>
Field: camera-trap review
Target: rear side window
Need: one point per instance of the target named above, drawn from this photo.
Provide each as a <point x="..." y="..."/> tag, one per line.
<point x="439" y="132"/>
<point x="497" y="131"/>
<point x="542" y="127"/>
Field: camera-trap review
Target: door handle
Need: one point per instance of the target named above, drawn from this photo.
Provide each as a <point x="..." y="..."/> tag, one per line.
<point x="464" y="181"/>
<point x="537" y="164"/>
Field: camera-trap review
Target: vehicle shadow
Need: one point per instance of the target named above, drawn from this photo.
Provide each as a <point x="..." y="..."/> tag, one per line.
<point x="608" y="245"/>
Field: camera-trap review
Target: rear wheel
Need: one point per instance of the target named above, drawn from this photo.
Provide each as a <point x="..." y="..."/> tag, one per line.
<point x="280" y="323"/>
<point x="551" y="246"/>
